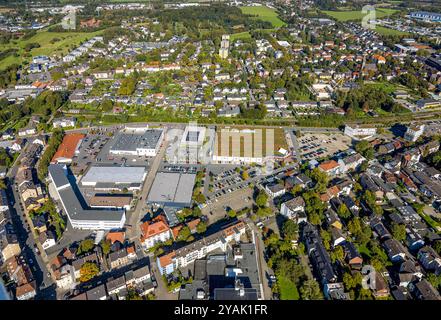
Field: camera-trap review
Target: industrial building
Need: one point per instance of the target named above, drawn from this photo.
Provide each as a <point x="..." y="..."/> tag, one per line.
<point x="244" y="146"/>
<point x="172" y="189"/>
<point x="195" y="146"/>
<point x="114" y="178"/>
<point x="80" y="215"/>
<point x="137" y="142"/>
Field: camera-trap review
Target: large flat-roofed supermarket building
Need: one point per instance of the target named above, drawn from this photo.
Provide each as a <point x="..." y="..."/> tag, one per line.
<point x="139" y="142"/>
<point x="80" y="215"/>
<point x="114" y="178"/>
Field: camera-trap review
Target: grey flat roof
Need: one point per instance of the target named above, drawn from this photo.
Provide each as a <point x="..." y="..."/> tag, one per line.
<point x="112" y="174"/>
<point x="73" y="201"/>
<point x="132" y="141"/>
<point x="172" y="188"/>
<point x="58" y="174"/>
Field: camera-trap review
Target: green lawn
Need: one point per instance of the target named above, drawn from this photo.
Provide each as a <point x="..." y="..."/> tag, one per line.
<point x="264" y="13"/>
<point x="385" y="86"/>
<point x="358" y="15"/>
<point x="50" y="43"/>
<point x="240" y="36"/>
<point x="390" y="32"/>
<point x="287" y="289"/>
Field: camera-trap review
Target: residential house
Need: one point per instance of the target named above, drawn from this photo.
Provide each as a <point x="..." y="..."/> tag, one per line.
<point x="423" y="290"/>
<point x="97" y="293"/>
<point x="430" y="260"/>
<point x="352" y="256"/>
<point x="47" y="239"/>
<point x="154" y="232"/>
<point x="293" y="209"/>
<point x="318" y="255"/>
<point x="394" y="250"/>
<point x="275" y="190"/>
<point x="331" y="167"/>
<point x="116" y="285"/>
<point x="119" y="259"/>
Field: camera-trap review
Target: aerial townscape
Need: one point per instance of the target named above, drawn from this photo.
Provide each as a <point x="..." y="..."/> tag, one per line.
<point x="220" y="150"/>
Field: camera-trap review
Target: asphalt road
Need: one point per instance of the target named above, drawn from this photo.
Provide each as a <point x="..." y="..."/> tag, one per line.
<point x="45" y="284"/>
<point x="136" y="215"/>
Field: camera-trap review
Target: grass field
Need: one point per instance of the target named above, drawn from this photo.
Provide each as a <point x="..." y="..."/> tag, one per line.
<point x="287" y="289"/>
<point x="390" y="32"/>
<point x="50" y="43"/>
<point x="264" y="13"/>
<point x="358" y="15"/>
<point x="240" y="36"/>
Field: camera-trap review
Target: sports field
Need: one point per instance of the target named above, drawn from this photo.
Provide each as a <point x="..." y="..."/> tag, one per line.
<point x="264" y="13"/>
<point x="358" y="15"/>
<point x="50" y="43"/>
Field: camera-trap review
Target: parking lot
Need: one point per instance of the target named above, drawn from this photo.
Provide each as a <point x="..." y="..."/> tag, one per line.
<point x="217" y="209"/>
<point x="318" y="145"/>
<point x="89" y="149"/>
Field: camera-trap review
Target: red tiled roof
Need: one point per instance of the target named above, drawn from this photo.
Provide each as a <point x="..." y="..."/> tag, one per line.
<point x="116" y="236"/>
<point x="328" y="165"/>
<point x="167" y="259"/>
<point x="152" y="229"/>
<point x="68" y="146"/>
<point x="175" y="231"/>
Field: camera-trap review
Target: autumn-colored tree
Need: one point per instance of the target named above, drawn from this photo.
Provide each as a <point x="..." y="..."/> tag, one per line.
<point x="88" y="271"/>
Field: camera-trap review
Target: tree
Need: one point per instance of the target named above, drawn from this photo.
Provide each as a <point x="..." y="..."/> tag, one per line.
<point x="326" y="237"/>
<point x="88" y="271"/>
<point x="199" y="198"/>
<point x="365" y="149"/>
<point x="245" y="175"/>
<point x="310" y="290"/>
<point x="105" y="246"/>
<point x="232" y="213"/>
<point x="2" y="184"/>
<point x="437" y="246"/>
<point x="85" y="246"/>
<point x="261" y="199"/>
<point x="343" y="211"/>
<point x="184" y="234"/>
<point x="133" y="295"/>
<point x="398" y="231"/>
<point x="354" y="226"/>
<point x="352" y="281"/>
<point x="320" y="178"/>
<point x="296" y="189"/>
<point x="263" y="212"/>
<point x="290" y="230"/>
<point x="365" y="294"/>
<point x="201" y="227"/>
<point x="434" y="280"/>
<point x="337" y="254"/>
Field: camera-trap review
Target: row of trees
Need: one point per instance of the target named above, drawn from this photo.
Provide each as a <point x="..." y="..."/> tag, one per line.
<point x="53" y="144"/>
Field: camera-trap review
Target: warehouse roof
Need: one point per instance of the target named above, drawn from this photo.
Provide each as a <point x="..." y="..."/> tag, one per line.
<point x="133" y="141"/>
<point x="172" y="187"/>
<point x="73" y="201"/>
<point x="112" y="174"/>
